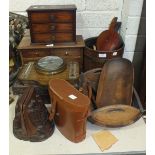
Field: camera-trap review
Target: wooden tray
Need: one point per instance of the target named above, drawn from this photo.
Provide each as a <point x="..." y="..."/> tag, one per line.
<point x="115" y="115"/>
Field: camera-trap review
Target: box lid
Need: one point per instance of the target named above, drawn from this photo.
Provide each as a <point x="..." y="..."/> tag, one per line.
<point x="51" y="7"/>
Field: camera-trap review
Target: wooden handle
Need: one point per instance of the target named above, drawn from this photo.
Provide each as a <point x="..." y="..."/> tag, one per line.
<point x="113" y="24"/>
<point x="53" y="108"/>
<point x="66" y="53"/>
<point x="52" y="27"/>
<point x="53" y="38"/>
<point x="89" y="91"/>
<point x="52" y="17"/>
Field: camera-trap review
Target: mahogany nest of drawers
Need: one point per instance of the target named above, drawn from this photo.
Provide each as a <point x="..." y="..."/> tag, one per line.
<point x="52" y="23"/>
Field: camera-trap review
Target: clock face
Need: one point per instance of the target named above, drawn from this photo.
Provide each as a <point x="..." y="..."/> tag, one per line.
<point x="50" y="63"/>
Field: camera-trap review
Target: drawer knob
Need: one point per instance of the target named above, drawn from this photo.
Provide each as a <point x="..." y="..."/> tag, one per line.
<point x="53" y="38"/>
<point x="57" y="114"/>
<point x="53" y="27"/>
<point x="52" y="17"/>
<point x="66" y="53"/>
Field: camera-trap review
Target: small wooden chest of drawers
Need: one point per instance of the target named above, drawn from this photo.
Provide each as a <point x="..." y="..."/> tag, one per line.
<point x="52" y="23"/>
<point x="68" y="51"/>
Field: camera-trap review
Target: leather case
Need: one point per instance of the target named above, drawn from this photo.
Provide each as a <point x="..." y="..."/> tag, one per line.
<point x="69" y="109"/>
<point x="31" y="122"/>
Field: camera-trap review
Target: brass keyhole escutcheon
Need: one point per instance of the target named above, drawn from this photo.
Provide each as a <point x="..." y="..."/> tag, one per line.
<point x="53" y="27"/>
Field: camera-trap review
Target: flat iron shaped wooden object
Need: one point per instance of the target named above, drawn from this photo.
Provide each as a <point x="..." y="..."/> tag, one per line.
<point x="110" y="39"/>
<point x="116" y="83"/>
<point x="69" y="109"/>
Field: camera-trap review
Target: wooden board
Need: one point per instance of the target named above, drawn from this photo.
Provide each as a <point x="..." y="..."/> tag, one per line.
<point x="115" y="115"/>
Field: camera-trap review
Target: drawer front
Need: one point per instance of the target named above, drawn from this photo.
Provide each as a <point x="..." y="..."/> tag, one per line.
<point x="67" y="52"/>
<point x="58" y="27"/>
<point x="54" y="16"/>
<point x="26" y="60"/>
<point x="35" y="53"/>
<point x="52" y="38"/>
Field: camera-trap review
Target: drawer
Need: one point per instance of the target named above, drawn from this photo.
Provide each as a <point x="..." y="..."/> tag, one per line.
<point x="72" y="60"/>
<point x="54" y="16"/>
<point x="67" y="52"/>
<point x="58" y="27"/>
<point x="35" y="53"/>
<point x="52" y="37"/>
<point x="26" y="60"/>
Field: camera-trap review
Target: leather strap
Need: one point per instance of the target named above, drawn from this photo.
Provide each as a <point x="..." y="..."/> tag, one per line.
<point x="53" y="104"/>
<point x="20" y="103"/>
<point x="29" y="127"/>
<point x="53" y="109"/>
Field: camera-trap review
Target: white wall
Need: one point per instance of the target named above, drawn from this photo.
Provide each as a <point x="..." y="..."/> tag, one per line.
<point x="94" y="16"/>
<point x="131" y="14"/>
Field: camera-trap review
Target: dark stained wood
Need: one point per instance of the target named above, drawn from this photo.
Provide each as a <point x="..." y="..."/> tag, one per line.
<point x="46" y="20"/>
<point x="35" y="53"/>
<point x="44" y="28"/>
<point x="26" y="43"/>
<point x="48" y="17"/>
<point x="52" y="37"/>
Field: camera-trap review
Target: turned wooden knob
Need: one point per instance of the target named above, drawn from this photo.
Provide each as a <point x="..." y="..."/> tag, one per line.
<point x="53" y="27"/>
<point x="66" y="53"/>
<point x="53" y="38"/>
